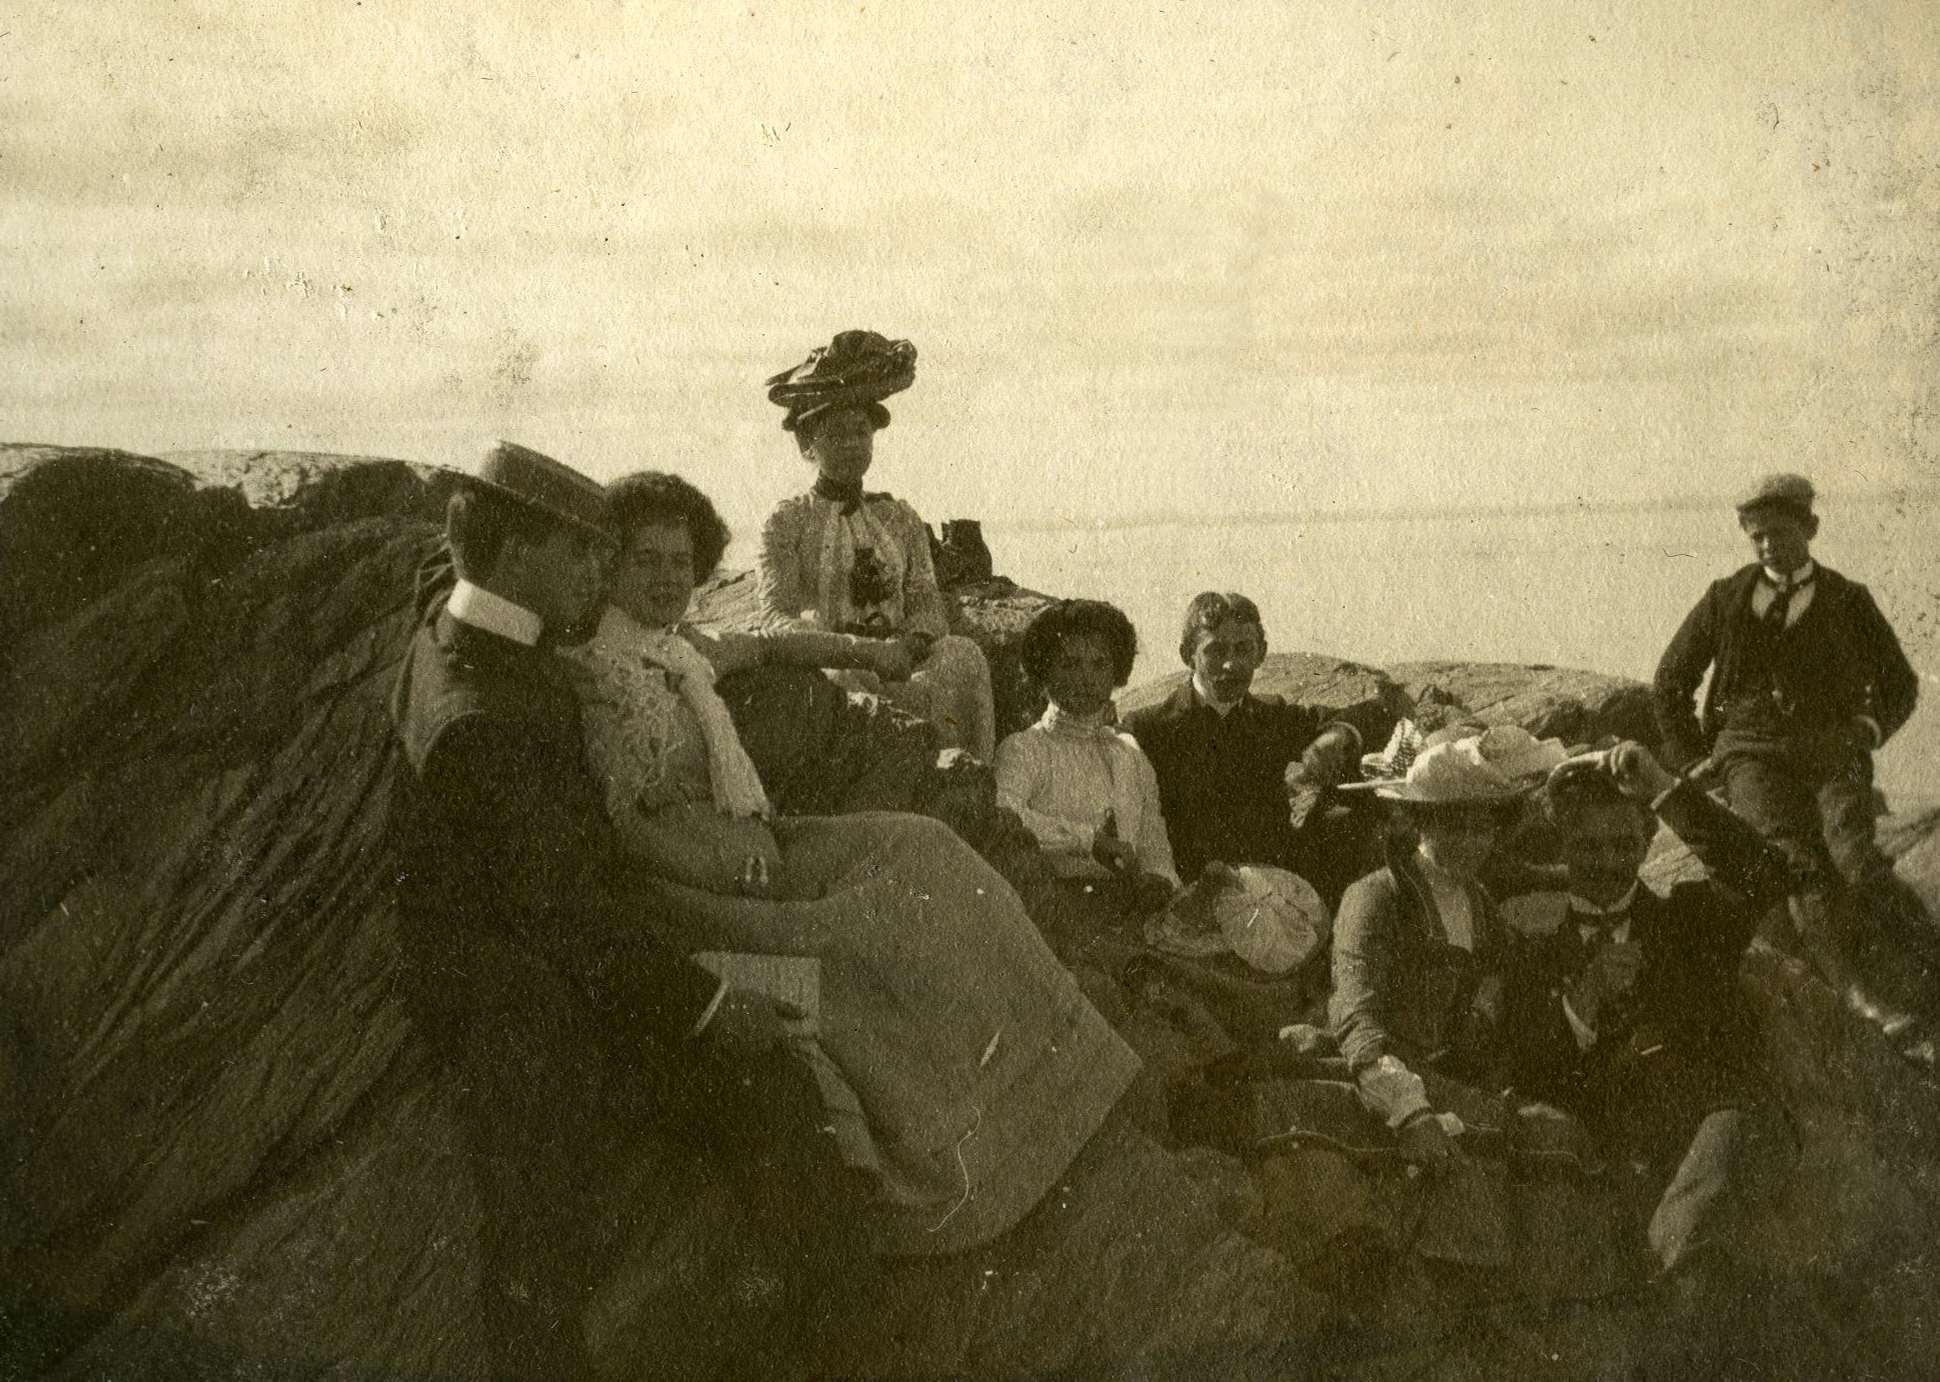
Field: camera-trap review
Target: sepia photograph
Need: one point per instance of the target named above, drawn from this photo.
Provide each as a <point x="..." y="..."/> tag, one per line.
<point x="870" y="689"/>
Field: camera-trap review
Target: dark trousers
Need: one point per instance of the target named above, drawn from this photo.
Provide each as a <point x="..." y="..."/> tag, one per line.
<point x="1812" y="796"/>
<point x="573" y="1170"/>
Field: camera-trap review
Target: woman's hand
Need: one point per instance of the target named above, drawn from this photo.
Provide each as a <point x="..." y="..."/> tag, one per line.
<point x="1119" y="856"/>
<point x="701" y="847"/>
<point x="892" y="659"/>
<point x="1424" y="1143"/>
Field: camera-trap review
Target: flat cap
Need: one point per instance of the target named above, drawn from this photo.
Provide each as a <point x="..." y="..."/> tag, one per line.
<point x="1786" y="490"/>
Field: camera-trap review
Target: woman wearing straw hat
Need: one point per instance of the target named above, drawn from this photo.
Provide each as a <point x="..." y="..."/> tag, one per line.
<point x="840" y="559"/>
<point x="1417" y="944"/>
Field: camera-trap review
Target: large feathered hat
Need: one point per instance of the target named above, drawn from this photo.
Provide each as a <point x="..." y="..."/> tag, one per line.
<point x="856" y="369"/>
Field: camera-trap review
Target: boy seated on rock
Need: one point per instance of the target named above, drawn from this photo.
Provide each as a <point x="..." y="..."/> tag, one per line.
<point x="1230" y="764"/>
<point x="1807" y="681"/>
<point x="1626" y="1013"/>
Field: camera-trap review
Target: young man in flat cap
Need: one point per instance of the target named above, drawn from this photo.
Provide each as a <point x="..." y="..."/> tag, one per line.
<point x="1807" y="680"/>
<point x="590" y="1056"/>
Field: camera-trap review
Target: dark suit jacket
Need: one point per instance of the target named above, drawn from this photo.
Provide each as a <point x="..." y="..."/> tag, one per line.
<point x="1683" y="1042"/>
<point x="518" y="905"/>
<point x="1222" y="779"/>
<point x="1839" y="660"/>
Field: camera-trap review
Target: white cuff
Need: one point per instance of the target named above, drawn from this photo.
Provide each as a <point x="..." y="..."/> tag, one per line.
<point x="1872" y="725"/>
<point x="1584" y="1033"/>
<point x="707" y="1013"/>
<point x="1392" y="1090"/>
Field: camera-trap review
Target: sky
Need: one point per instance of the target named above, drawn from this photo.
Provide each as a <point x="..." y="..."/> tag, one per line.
<point x="1229" y="258"/>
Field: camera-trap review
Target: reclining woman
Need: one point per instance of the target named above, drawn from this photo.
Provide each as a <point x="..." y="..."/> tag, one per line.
<point x="963" y="1067"/>
<point x="839" y="558"/>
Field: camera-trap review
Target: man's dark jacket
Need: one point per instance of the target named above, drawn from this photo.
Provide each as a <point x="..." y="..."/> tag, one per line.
<point x="518" y="904"/>
<point x="1222" y="779"/>
<point x="1840" y="659"/>
<point x="1682" y="1043"/>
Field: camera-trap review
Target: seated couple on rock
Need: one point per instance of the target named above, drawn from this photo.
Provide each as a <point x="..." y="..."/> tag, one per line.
<point x="1621" y="1010"/>
<point x="572" y="830"/>
<point x="1227" y="954"/>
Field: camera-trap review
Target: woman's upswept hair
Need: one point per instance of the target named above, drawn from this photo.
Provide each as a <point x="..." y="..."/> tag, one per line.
<point x="655" y="496"/>
<point x="1078" y="618"/>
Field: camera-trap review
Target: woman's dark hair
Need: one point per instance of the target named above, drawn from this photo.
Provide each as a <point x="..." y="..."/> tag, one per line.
<point x="480" y="521"/>
<point x="1078" y="619"/>
<point x="1208" y="610"/>
<point x="654" y="496"/>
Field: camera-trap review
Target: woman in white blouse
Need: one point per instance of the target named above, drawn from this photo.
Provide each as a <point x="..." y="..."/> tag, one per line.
<point x="1082" y="786"/>
<point x="842" y="559"/>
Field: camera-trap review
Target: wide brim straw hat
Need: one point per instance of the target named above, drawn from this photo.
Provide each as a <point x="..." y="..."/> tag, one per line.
<point x="858" y="369"/>
<point x="1272" y="920"/>
<point x="536" y="481"/>
<point x="1498" y="765"/>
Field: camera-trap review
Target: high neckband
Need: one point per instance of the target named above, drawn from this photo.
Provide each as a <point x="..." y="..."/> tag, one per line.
<point x="847" y="493"/>
<point x="1789" y="580"/>
<point x="1101" y="724"/>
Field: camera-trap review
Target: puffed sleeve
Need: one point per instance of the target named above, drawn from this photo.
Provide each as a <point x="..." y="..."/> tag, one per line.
<point x="1022" y="763"/>
<point x="1363" y="958"/>
<point x="781" y="586"/>
<point x="1153" y="844"/>
<point x="924" y="610"/>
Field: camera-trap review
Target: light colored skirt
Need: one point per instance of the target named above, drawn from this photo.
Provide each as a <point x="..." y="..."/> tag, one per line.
<point x="950" y="688"/>
<point x="976" y="1065"/>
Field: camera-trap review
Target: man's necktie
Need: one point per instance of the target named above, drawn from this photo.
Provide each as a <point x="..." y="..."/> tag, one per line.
<point x="1780" y="608"/>
<point x="1594" y="930"/>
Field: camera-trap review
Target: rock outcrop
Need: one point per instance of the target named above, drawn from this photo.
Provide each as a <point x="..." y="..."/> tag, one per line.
<point x="223" y="1149"/>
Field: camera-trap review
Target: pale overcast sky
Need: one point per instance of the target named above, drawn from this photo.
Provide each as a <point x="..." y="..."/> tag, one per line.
<point x="1220" y="257"/>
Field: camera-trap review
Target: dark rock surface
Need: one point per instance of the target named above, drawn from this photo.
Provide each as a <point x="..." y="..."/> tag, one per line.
<point x="225" y="1152"/>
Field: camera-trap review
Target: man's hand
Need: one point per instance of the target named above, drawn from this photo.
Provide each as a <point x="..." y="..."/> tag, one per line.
<point x="1330" y="760"/>
<point x="1611" y="972"/>
<point x="1424" y="1144"/>
<point x="1637" y="772"/>
<point x="749" y="1023"/>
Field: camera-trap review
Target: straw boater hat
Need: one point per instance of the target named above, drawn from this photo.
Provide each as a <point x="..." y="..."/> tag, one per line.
<point x="537" y="482"/>
<point x="1497" y="765"/>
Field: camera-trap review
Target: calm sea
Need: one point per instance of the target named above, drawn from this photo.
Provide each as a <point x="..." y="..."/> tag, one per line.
<point x="1596" y="589"/>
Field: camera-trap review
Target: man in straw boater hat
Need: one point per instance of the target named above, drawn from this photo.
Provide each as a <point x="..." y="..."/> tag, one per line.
<point x="1807" y="681"/>
<point x="1622" y="1006"/>
<point x="592" y="1058"/>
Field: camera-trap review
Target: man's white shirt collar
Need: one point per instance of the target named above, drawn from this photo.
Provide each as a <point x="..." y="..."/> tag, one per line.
<point x="1206" y="697"/>
<point x="1582" y="907"/>
<point x="480" y="608"/>
<point x="1783" y="579"/>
